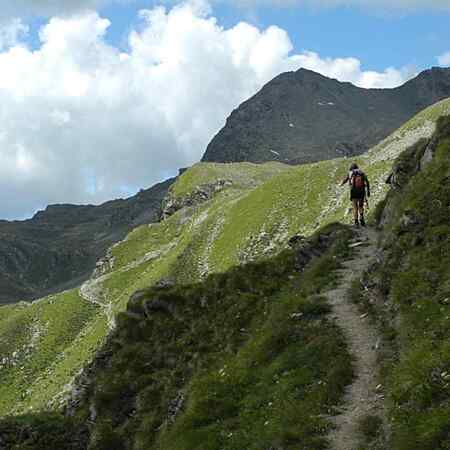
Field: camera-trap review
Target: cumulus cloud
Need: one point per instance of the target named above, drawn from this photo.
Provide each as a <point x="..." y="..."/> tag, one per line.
<point x="401" y="5"/>
<point x="444" y="60"/>
<point x="349" y="69"/>
<point x="82" y="121"/>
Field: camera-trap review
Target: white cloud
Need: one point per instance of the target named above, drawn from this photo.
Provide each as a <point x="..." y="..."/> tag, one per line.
<point x="444" y="60"/>
<point x="349" y="69"/>
<point x="81" y="121"/>
<point x="401" y="5"/>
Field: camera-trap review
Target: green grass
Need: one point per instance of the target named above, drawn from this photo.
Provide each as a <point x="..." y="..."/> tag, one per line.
<point x="36" y="337"/>
<point x="242" y="176"/>
<point x="409" y="294"/>
<point x="251" y="351"/>
<point x="432" y="114"/>
<point x="41" y="432"/>
<point x="420" y="389"/>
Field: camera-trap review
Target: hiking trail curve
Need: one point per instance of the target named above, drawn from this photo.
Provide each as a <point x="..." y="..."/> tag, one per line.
<point x="363" y="397"/>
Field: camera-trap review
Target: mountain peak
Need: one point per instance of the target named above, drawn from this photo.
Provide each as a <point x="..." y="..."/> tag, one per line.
<point x="304" y="116"/>
<point x="307" y="73"/>
<point x="433" y="72"/>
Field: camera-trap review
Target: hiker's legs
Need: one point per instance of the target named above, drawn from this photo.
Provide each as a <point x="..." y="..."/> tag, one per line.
<point x="355" y="210"/>
<point x="361" y="212"/>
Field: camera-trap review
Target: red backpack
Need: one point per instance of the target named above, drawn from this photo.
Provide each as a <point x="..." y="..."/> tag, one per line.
<point x="357" y="180"/>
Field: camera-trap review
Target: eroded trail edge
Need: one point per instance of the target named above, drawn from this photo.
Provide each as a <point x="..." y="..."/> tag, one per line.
<point x="361" y="398"/>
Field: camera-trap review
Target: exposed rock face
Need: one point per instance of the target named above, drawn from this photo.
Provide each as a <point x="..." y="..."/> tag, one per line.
<point x="201" y="194"/>
<point x="302" y="117"/>
<point x="411" y="162"/>
<point x="307" y="249"/>
<point x="58" y="248"/>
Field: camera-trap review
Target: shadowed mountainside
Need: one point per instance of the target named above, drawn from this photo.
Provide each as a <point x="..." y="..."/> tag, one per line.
<point x="58" y="248"/>
<point x="302" y="116"/>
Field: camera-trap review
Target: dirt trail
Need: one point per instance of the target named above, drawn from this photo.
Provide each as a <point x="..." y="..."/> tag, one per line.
<point x="361" y="398"/>
<point x="92" y="291"/>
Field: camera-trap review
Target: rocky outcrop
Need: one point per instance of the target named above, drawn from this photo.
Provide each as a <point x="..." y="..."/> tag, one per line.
<point x="313" y="247"/>
<point x="302" y="117"/>
<point x="411" y="162"/>
<point x="200" y="194"/>
<point x="104" y="265"/>
<point x="407" y="165"/>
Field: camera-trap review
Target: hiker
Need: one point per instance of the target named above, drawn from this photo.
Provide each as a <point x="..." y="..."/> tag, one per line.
<point x="359" y="188"/>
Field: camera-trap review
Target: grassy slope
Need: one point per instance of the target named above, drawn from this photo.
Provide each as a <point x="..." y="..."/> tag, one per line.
<point x="251" y="219"/>
<point x="44" y="344"/>
<point x="409" y="293"/>
<point x="419" y="381"/>
<point x="241" y="348"/>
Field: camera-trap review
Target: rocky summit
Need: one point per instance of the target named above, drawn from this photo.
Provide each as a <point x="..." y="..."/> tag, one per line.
<point x="58" y="248"/>
<point x="302" y="116"/>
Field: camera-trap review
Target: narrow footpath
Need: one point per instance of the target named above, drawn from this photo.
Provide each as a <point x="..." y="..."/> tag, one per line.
<point x="362" y="397"/>
<point x="92" y="291"/>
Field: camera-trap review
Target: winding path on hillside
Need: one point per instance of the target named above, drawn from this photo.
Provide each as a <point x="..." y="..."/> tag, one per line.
<point x="361" y="398"/>
<point x="92" y="292"/>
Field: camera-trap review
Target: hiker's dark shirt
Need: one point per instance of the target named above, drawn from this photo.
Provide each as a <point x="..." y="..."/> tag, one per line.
<point x="366" y="180"/>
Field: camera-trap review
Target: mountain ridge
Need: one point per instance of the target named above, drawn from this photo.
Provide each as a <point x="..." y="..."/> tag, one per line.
<point x="58" y="247"/>
<point x="304" y="116"/>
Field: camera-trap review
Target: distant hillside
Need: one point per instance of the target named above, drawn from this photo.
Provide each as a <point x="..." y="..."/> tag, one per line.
<point x="303" y="117"/>
<point x="58" y="248"/>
